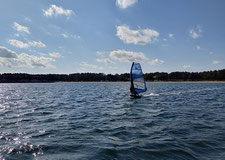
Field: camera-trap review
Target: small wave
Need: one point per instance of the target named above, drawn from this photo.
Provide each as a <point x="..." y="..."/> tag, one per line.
<point x="151" y="94"/>
<point x="191" y="91"/>
<point x="21" y="151"/>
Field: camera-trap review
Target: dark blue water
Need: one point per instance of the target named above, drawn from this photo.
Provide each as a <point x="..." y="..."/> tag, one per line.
<point x="101" y="121"/>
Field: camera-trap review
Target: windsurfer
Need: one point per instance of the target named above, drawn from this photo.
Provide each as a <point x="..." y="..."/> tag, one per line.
<point x="133" y="92"/>
<point x="138" y="84"/>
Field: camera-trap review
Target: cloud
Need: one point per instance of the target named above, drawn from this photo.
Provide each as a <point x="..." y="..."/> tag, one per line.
<point x="195" y="33"/>
<point x="6" y="53"/>
<point x="92" y="66"/>
<point x="186" y="66"/>
<point x="57" y="10"/>
<point x="216" y="62"/>
<point x="65" y="35"/>
<point x="70" y="36"/>
<point x="127" y="56"/>
<point x="12" y="59"/>
<point x="17" y="43"/>
<point x="21" y="28"/>
<point x="171" y="35"/>
<point x="156" y="62"/>
<point x="26" y="60"/>
<point x="20" y="44"/>
<point x="198" y="47"/>
<point x="104" y="60"/>
<point x="55" y="55"/>
<point x="36" y="44"/>
<point x="123" y="4"/>
<point x="102" y="53"/>
<point x="141" y="37"/>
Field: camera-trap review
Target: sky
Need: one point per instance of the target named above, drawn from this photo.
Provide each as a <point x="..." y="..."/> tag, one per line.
<point x="106" y="36"/>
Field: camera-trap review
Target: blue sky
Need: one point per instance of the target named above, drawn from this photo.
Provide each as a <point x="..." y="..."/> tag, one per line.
<point x="105" y="36"/>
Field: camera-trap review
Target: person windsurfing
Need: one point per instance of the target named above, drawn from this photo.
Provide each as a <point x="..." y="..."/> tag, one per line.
<point x="137" y="81"/>
<point x="133" y="92"/>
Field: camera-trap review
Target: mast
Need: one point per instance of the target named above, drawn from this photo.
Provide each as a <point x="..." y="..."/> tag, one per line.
<point x="131" y="78"/>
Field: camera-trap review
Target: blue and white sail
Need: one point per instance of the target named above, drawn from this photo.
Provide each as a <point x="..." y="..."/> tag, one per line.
<point x="137" y="78"/>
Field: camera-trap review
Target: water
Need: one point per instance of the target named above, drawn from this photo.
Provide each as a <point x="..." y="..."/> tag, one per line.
<point x="101" y="121"/>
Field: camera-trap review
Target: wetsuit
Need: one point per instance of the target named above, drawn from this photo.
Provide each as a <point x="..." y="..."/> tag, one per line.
<point x="133" y="92"/>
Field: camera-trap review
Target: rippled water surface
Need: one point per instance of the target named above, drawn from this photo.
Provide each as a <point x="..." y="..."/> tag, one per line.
<point x="101" y="121"/>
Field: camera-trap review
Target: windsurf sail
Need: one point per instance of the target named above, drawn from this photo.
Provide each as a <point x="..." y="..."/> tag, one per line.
<point x="137" y="78"/>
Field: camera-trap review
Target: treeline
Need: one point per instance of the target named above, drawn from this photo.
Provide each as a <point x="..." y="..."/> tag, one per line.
<point x="217" y="75"/>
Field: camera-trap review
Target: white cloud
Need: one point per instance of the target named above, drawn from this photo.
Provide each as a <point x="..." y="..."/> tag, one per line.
<point x="21" y="28"/>
<point x="20" y="44"/>
<point x="24" y="60"/>
<point x="198" y="47"/>
<point x="65" y="35"/>
<point x="127" y="56"/>
<point x="216" y="62"/>
<point x="70" y="36"/>
<point x="36" y="44"/>
<point x="17" y="43"/>
<point x="102" y="53"/>
<point x="141" y="37"/>
<point x="125" y="3"/>
<point x="171" y="35"/>
<point x="40" y="53"/>
<point x="186" y="66"/>
<point x="156" y="61"/>
<point x="92" y="66"/>
<point x="195" y="33"/>
<point x="55" y="55"/>
<point x="104" y="60"/>
<point x="6" y="53"/>
<point x="57" y="10"/>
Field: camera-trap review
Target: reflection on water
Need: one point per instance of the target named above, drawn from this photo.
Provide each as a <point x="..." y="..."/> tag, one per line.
<point x="101" y="121"/>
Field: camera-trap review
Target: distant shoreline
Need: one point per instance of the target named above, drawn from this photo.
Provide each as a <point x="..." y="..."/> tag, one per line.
<point x="186" y="82"/>
<point x="146" y="82"/>
<point x="121" y="82"/>
<point x="157" y="77"/>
